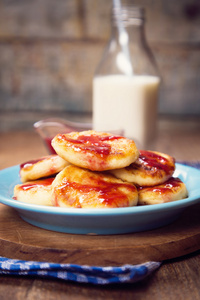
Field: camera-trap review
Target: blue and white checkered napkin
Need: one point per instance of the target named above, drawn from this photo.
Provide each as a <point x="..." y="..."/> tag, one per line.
<point x="77" y="273"/>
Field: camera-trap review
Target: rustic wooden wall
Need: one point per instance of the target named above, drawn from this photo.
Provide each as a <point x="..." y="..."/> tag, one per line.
<point x="49" y="50"/>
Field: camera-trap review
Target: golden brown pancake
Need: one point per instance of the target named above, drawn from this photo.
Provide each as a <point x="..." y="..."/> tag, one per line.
<point x="96" y="151"/>
<point x="80" y="188"/>
<point x="35" y="192"/>
<point x="43" y="167"/>
<point x="172" y="190"/>
<point x="151" y="168"/>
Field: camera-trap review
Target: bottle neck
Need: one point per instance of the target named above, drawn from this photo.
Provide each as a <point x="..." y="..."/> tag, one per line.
<point x="128" y="22"/>
<point x="127" y="51"/>
<point x="128" y="15"/>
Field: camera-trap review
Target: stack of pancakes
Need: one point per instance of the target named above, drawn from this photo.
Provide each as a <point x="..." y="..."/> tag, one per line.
<point x="99" y="170"/>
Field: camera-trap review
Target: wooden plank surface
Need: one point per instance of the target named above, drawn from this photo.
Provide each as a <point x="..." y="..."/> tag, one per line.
<point x="21" y="240"/>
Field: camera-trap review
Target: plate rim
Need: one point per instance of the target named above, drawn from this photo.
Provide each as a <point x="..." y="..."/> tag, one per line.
<point x="145" y="209"/>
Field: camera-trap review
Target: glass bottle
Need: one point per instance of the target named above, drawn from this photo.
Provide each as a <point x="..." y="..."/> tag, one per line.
<point x="126" y="82"/>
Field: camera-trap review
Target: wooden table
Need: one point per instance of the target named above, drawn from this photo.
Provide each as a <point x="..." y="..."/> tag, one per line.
<point x="175" y="279"/>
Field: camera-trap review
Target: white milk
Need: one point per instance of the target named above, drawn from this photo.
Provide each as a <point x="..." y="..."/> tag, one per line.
<point x="127" y="103"/>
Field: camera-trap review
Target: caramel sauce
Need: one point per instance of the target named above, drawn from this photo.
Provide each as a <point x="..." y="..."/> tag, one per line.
<point x="38" y="183"/>
<point x="151" y="161"/>
<point x="106" y="192"/>
<point x="93" y="143"/>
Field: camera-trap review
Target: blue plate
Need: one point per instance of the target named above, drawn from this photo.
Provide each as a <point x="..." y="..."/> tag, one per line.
<point x="101" y="221"/>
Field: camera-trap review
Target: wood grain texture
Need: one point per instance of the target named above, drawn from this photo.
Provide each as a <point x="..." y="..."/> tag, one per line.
<point x="21" y="240"/>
